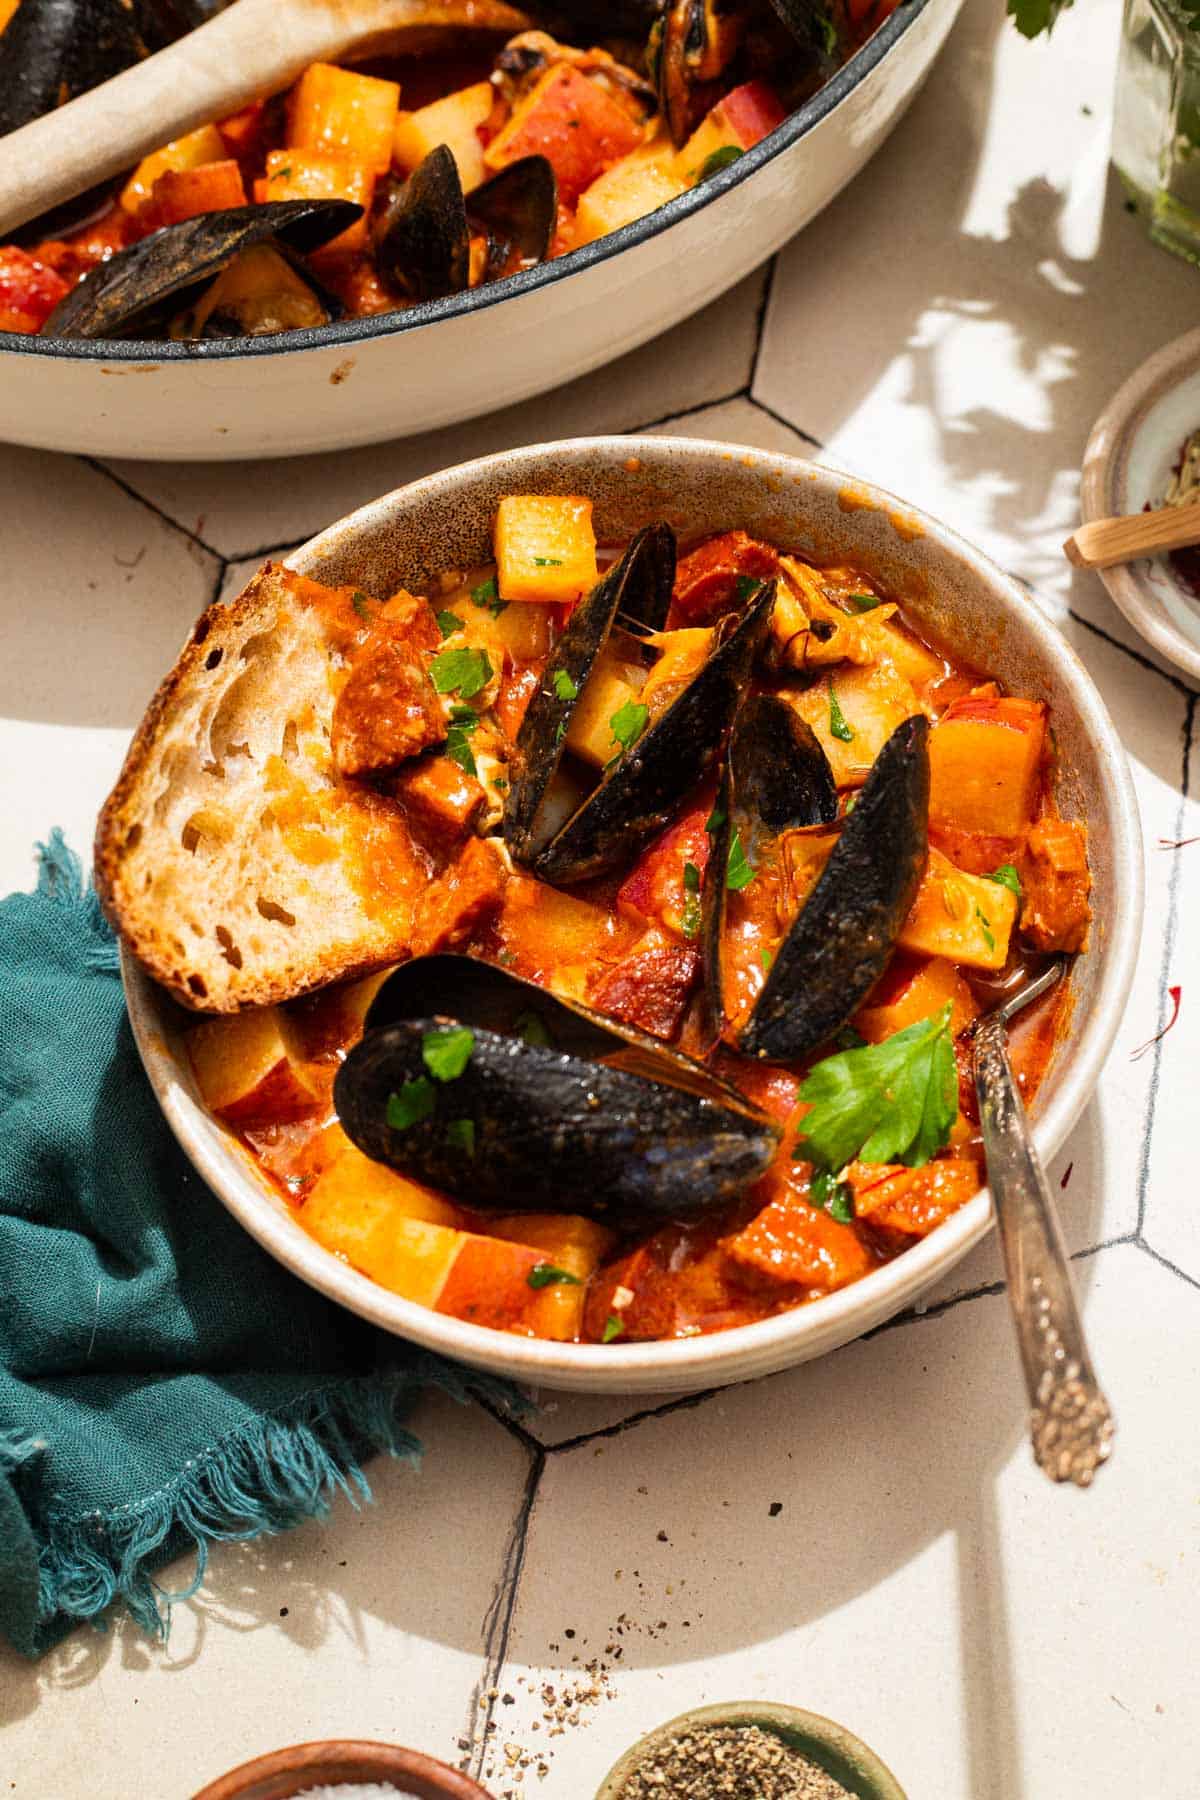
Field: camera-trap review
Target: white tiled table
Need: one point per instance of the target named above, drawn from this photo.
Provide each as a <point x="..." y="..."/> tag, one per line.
<point x="865" y="1536"/>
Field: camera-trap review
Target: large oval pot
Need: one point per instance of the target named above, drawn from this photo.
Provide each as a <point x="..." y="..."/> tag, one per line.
<point x="963" y="601"/>
<point x="365" y="380"/>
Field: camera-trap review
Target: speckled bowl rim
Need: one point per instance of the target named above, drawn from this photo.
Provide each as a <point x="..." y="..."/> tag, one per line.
<point x="789" y="1337"/>
<point x="1103" y="481"/>
<point x="809" y="1732"/>
<point x="333" y="1762"/>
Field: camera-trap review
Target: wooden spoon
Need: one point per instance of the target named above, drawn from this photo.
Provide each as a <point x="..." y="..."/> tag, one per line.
<point x="1108" y="541"/>
<point x="254" y="47"/>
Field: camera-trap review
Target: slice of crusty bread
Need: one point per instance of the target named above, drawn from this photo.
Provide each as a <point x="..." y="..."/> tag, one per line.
<point x="237" y="867"/>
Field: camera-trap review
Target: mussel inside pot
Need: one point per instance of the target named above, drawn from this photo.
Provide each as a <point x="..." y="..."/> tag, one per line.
<point x="134" y="293"/>
<point x="425" y="242"/>
<point x="497" y="1092"/>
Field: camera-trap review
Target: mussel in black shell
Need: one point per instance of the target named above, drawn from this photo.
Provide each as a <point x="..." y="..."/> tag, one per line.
<point x="127" y="296"/>
<point x="837" y="946"/>
<point x="423" y="239"/>
<point x="541" y="1103"/>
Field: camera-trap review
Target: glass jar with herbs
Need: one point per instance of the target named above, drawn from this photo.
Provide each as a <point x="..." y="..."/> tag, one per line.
<point x="1156" y="127"/>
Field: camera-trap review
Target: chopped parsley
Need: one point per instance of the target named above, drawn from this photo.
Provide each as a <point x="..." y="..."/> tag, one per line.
<point x="614" y="1325"/>
<point x="449" y="623"/>
<point x="466" y="672"/>
<point x="864" y="602"/>
<point x="889" y="1102"/>
<point x="747" y="585"/>
<point x="766" y="958"/>
<point x="533" y="1030"/>
<point x="362" y="606"/>
<point x="547" y="562"/>
<point x="691" y="902"/>
<point x="628" y="723"/>
<point x="832" y="1196"/>
<point x="565" y="687"/>
<point x="460" y="1133"/>
<point x="1007" y="877"/>
<point x="717" y="160"/>
<point x="282" y="174"/>
<point x="828" y="31"/>
<point x="715" y="819"/>
<point x="463" y="720"/>
<point x="413" y="1103"/>
<point x="838" y="727"/>
<point x="985" y="925"/>
<point x="547" y="1274"/>
<point x="485" y="593"/>
<point x="447" y="1051"/>
<point x="738" y="871"/>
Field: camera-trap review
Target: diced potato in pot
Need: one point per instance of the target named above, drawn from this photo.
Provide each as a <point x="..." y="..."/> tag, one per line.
<point x="454" y="121"/>
<point x="567" y="1243"/>
<point x="345" y="114"/>
<point x="524" y="630"/>
<point x="488" y="1283"/>
<point x="545" y="547"/>
<point x="854" y="712"/>
<point x="574" y="123"/>
<point x="966" y="918"/>
<point x="612" y="684"/>
<point x="985" y="758"/>
<point x="736" y="123"/>
<point x="911" y="990"/>
<point x="205" y="145"/>
<point x="626" y="191"/>
<point x="320" y="175"/>
<point x="248" y="1068"/>
<point x="369" y="1231"/>
<point x="354" y="1183"/>
<point x="180" y="194"/>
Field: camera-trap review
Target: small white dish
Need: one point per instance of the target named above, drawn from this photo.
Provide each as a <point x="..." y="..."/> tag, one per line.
<point x="1130" y="458"/>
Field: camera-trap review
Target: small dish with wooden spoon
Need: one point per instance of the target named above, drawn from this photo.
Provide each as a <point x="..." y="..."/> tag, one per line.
<point x="1129" y="467"/>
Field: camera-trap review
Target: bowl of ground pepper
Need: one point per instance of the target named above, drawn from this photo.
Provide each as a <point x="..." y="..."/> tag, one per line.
<point x="750" y="1750"/>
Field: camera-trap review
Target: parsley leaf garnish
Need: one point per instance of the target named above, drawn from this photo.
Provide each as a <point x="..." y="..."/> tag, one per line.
<point x="766" y="958"/>
<point x="628" y="723"/>
<point x="747" y="585"/>
<point x="717" y="160"/>
<point x="447" y="1051"/>
<point x="832" y="1196"/>
<point x="547" y="562"/>
<point x="485" y="593"/>
<point x="413" y="1103"/>
<point x="691" y="902"/>
<point x="362" y="606"/>
<point x="461" y="1134"/>
<point x="449" y="623"/>
<point x="565" y="687"/>
<point x="828" y="31"/>
<point x="715" y="819"/>
<point x="889" y="1102"/>
<point x="1007" y="876"/>
<point x="985" y="925"/>
<point x="464" y="671"/>
<point x="864" y="602"/>
<point x="458" y="749"/>
<point x="546" y="1274"/>
<point x="738" y="872"/>
<point x="613" y="1327"/>
<point x="838" y="727"/>
<point x="1034" y="16"/>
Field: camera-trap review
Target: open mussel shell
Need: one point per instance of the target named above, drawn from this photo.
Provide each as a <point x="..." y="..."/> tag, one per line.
<point x="423" y="242"/>
<point x="641" y="792"/>
<point x="840" y="942"/>
<point x="557" y="1109"/>
<point x="638" y="587"/>
<point x="517" y="212"/>
<point x="122" y="296"/>
<point x="775" y="778"/>
<point x="52" y="50"/>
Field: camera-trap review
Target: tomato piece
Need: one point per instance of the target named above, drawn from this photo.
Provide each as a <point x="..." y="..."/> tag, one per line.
<point x="656" y="891"/>
<point x="706" y="580"/>
<point x="29" y="290"/>
<point x="650" y="989"/>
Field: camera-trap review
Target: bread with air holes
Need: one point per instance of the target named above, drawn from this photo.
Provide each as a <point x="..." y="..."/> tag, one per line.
<point x="237" y="867"/>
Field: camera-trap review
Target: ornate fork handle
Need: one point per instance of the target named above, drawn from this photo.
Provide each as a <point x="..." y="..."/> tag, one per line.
<point x="1070" y="1423"/>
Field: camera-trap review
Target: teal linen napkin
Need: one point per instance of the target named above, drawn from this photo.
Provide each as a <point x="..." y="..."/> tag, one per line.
<point x="163" y="1382"/>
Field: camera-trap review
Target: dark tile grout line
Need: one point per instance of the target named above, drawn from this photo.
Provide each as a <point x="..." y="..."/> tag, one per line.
<point x="1136" y="656"/>
<point x="193" y="537"/>
<point x="1164" y="998"/>
<point x="686" y="412"/>
<point x="498" y="1621"/>
<point x="1167" y="1263"/>
<point x="681" y="1403"/>
<point x="760" y="320"/>
<point x="805" y="437"/>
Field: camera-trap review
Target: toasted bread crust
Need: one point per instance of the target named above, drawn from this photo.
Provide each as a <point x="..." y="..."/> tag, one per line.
<point x="232" y="862"/>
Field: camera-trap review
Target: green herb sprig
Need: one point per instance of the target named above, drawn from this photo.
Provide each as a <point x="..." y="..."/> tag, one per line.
<point x="884" y="1103"/>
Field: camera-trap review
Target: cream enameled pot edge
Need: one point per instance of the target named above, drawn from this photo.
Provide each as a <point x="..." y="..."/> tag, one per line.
<point x="444" y="520"/>
<point x="366" y="380"/>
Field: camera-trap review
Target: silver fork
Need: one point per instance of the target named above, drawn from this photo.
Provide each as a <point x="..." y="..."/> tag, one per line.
<point x="1071" y="1426"/>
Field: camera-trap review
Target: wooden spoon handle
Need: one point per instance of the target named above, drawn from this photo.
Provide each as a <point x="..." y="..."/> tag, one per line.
<point x="252" y="48"/>
<point x="1108" y="541"/>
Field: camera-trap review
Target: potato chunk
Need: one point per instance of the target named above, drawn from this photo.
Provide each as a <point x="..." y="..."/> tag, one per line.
<point x="320" y="175"/>
<point x="545" y="547"/>
<point x="345" y="114"/>
<point x="454" y="120"/>
<point x="565" y="1241"/>
<point x="627" y="190"/>
<point x="854" y="712"/>
<point x="248" y="1070"/>
<point x="985" y="757"/>
<point x="612" y="684"/>
<point x="966" y="918"/>
<point x="367" y="1229"/>
<point x="914" y="990"/>
<point x="205" y="145"/>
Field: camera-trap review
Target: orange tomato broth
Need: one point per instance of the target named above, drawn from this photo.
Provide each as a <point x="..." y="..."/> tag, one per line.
<point x="622" y="945"/>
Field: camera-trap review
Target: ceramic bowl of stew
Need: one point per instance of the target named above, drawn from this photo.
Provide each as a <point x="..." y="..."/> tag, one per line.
<point x="365" y="379"/>
<point x="954" y="598"/>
